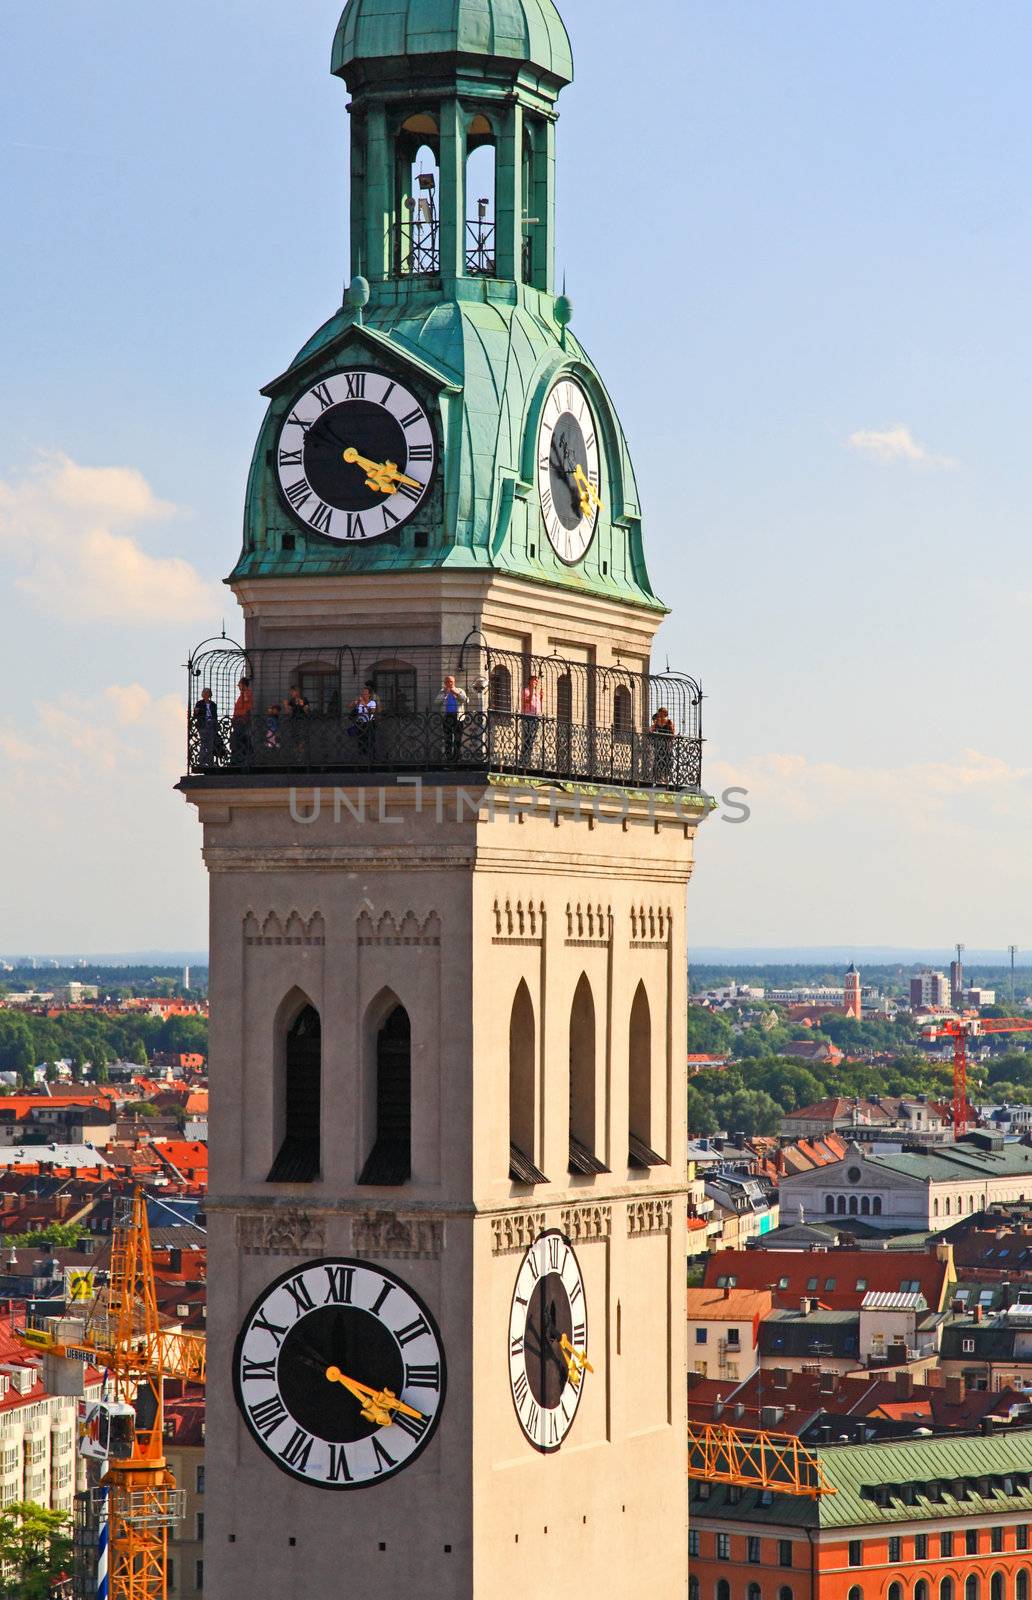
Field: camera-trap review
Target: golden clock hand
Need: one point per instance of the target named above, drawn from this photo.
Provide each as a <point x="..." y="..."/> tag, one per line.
<point x="382" y="476"/>
<point x="576" y="1360"/>
<point x="588" y="492"/>
<point x="378" y="1405"/>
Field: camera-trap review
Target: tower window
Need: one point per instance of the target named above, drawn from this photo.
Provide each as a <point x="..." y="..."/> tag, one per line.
<point x="522" y="1091"/>
<point x="639" y="1097"/>
<point x="583" y="1082"/>
<point x="299" y="1152"/>
<point x="623" y="711"/>
<point x="501" y="689"/>
<point x="390" y="1162"/>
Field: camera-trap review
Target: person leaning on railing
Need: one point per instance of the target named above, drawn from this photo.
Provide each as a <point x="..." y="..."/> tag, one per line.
<point x="206" y="721"/>
<point x="452" y="703"/>
<point x="240" y="728"/>
<point x="530" y="713"/>
<point x="661" y="736"/>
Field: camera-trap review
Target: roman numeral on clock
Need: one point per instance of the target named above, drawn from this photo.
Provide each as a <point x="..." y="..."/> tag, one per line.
<point x="298" y="493"/>
<point x="554" y="1247"/>
<point x="414" y="1330"/>
<point x="520" y="1390"/>
<point x="323" y="395"/>
<point x="428" y="1377"/>
<point x="290" y="458"/>
<point x="384" y="1459"/>
<point x="321" y="518"/>
<point x="338" y="1289"/>
<point x="553" y="1429"/>
<point x="298" y="1449"/>
<point x="257" y="1371"/>
<point x="410" y="492"/>
<point x="389" y="519"/>
<point x="355" y="528"/>
<point x="531" y="1419"/>
<point x="304" y="423"/>
<point x="268" y="1416"/>
<point x="381" y="1299"/>
<point x="339" y="1464"/>
<point x="298" y="1292"/>
<point x="580" y="1333"/>
<point x="415" y="1427"/>
<point x="516" y="1346"/>
<point x="356" y="385"/>
<point x="412" y="418"/>
<point x="421" y="452"/>
<point x="262" y="1321"/>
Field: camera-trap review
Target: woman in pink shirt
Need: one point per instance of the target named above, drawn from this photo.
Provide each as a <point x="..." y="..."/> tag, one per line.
<point x="530" y="709"/>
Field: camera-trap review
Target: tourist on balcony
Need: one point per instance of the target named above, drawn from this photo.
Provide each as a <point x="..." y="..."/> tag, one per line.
<point x="297" y="723"/>
<point x="206" y="721"/>
<point x="240" y="728"/>
<point x="530" y="719"/>
<point x="452" y="703"/>
<point x="272" y="726"/>
<point x="661" y="737"/>
<point x="363" y="718"/>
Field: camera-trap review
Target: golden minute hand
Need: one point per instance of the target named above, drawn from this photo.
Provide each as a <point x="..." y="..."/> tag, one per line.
<point x="576" y="1360"/>
<point x="588" y="492"/>
<point x="378" y="1405"/>
<point x="382" y="476"/>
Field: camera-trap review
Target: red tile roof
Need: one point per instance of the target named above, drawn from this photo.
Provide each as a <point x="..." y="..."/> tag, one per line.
<point x="839" y="1274"/>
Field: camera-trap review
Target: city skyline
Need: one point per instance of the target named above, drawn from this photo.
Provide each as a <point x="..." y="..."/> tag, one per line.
<point x="827" y="430"/>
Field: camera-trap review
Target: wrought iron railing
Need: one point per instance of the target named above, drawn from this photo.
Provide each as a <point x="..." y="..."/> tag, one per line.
<point x="418" y="247"/>
<point x="480" y="249"/>
<point x="387" y="708"/>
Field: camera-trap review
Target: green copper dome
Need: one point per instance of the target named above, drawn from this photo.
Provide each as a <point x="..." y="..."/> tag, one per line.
<point x="520" y="30"/>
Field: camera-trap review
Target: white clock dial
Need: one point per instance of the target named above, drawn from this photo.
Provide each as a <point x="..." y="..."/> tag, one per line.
<point x="339" y="1374"/>
<point x="356" y="456"/>
<point x="548" y="1341"/>
<point x="569" y="474"/>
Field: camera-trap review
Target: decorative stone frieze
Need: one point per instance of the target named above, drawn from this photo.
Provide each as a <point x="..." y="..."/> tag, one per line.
<point x="290" y="1232"/>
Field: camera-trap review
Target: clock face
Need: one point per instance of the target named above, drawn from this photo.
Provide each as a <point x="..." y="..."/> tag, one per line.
<point x="356" y="456"/>
<point x="548" y="1341"/>
<point x="568" y="471"/>
<point x="339" y="1372"/>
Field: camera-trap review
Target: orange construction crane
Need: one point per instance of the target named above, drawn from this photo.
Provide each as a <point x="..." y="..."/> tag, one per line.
<point x="960" y="1030"/>
<point x="122" y="1335"/>
<point x="754" y="1458"/>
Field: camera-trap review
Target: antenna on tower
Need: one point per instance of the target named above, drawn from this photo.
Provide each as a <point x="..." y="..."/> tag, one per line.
<point x="1013" y="949"/>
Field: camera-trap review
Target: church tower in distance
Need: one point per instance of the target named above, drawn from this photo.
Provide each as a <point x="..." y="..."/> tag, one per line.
<point x="449" y="816"/>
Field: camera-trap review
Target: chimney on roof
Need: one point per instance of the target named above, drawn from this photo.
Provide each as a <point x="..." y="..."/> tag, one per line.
<point x="739" y="1410"/>
<point x="977" y="1314"/>
<point x="727" y="1291"/>
<point x="904" y="1385"/>
<point x="718" y="1409"/>
<point x="806" y="1305"/>
<point x="956" y="1389"/>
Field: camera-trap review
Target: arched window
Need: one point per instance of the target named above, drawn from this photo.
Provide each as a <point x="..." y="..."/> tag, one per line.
<point x="840" y="1205"/>
<point x="935" y="1208"/>
<point x="481" y="236"/>
<point x="876" y="1205"/>
<point x="501" y="689"/>
<point x="523" y="1090"/>
<point x="319" y="683"/>
<point x="1021" y="1585"/>
<point x="390" y="1161"/>
<point x="785" y="1593"/>
<point x="564" y="698"/>
<point x="946" y="1589"/>
<point x="997" y="1588"/>
<point x="854" y="1205"/>
<point x="865" y="1205"/>
<point x="583" y="1081"/>
<point x="723" y="1590"/>
<point x="895" y="1591"/>
<point x="972" y="1586"/>
<point x="855" y="1593"/>
<point x="418" y="248"/>
<point x="829" y="1203"/>
<point x="921" y="1589"/>
<point x="693" y="1588"/>
<point x="947" y="1206"/>
<point x="299" y="1072"/>
<point x="754" y="1592"/>
<point x="639" y="1097"/>
<point x="394" y="683"/>
<point x="623" y="711"/>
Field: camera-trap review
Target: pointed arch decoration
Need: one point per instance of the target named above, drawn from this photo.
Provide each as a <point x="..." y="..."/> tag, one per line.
<point x="640" y="1111"/>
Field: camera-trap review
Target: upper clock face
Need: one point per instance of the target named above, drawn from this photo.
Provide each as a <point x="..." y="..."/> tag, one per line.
<point x="356" y="455"/>
<point x="568" y="470"/>
<point x="339" y="1372"/>
<point x="548" y="1341"/>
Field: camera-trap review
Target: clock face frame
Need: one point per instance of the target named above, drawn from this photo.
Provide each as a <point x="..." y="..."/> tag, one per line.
<point x="548" y="1301"/>
<point x="353" y="1318"/>
<point x="567" y="439"/>
<point x="366" y="411"/>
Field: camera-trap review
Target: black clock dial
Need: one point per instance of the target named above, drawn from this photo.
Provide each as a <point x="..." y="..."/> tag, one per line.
<point x="548" y="1341"/>
<point x="339" y="1374"/>
<point x="568" y="452"/>
<point x="356" y="456"/>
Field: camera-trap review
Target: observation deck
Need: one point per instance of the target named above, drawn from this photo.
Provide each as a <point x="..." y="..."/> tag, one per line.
<point x="356" y="710"/>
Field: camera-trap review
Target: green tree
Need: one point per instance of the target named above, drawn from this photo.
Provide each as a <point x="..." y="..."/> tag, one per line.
<point x="709" y="1032"/>
<point x="138" y="1053"/>
<point x="35" y="1551"/>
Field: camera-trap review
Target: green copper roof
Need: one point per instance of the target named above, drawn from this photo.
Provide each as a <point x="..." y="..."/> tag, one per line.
<point x="521" y="30"/>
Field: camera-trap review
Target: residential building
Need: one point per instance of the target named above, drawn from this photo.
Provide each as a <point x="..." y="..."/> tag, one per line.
<point x="933" y="1519"/>
<point x="184" y="1451"/>
<point x="840" y="1279"/>
<point x="930" y="990"/>
<point x="723" y="1331"/>
<point x="879" y="1117"/>
<point x="913" y="1190"/>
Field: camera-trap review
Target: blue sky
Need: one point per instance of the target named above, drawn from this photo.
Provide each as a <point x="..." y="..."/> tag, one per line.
<point x="797" y="240"/>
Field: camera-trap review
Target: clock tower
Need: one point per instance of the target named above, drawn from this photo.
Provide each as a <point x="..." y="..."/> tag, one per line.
<point x="448" y="814"/>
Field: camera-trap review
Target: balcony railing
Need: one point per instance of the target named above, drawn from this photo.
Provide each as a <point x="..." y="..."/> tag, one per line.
<point x="310" y="714"/>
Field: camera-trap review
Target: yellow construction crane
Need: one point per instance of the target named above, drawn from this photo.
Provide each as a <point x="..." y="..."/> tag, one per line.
<point x="754" y="1458"/>
<point x="122" y="1335"/>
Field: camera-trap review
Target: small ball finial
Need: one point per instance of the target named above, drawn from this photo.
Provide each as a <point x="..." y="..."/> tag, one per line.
<point x="357" y="296"/>
<point x="563" y="310"/>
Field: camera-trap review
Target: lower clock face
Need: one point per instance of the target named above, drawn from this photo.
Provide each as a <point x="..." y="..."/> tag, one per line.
<point x="339" y="1373"/>
<point x="356" y="456"/>
<point x="548" y="1341"/>
<point x="568" y="471"/>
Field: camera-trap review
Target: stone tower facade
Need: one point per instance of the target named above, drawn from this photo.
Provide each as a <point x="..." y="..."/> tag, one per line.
<point x="853" y="995"/>
<point x="449" y="829"/>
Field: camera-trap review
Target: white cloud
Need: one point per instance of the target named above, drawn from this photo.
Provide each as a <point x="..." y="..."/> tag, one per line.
<point x="895" y="444"/>
<point x="71" y="531"/>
